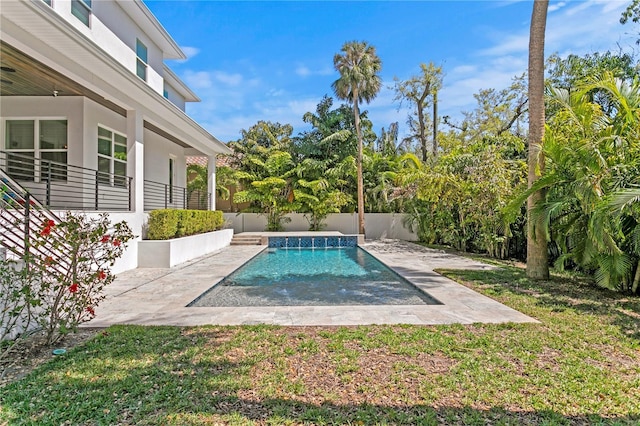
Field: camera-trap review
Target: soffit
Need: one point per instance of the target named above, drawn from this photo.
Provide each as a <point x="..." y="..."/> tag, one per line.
<point x="22" y="75"/>
<point x="45" y="37"/>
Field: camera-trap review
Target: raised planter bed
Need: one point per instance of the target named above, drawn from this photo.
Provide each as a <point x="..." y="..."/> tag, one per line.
<point x="168" y="253"/>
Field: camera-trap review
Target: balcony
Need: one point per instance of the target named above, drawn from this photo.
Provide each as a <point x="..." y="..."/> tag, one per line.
<point x="60" y="186"/>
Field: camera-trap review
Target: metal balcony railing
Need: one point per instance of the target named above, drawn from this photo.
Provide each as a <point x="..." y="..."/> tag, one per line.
<point x="60" y="186"/>
<point x="164" y="196"/>
<point x="21" y="215"/>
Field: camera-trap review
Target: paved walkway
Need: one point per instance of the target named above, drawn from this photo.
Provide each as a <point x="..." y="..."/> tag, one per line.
<point x="160" y="296"/>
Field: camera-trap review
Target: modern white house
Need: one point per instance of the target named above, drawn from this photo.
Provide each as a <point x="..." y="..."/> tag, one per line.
<point x="91" y="118"/>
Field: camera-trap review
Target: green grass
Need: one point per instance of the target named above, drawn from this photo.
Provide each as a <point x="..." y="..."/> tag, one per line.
<point x="579" y="365"/>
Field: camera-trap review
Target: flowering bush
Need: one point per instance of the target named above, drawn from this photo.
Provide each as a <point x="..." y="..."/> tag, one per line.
<point x="16" y="304"/>
<point x="73" y="260"/>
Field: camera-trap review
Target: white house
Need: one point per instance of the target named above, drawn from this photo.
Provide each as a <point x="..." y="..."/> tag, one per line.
<point x="91" y="118"/>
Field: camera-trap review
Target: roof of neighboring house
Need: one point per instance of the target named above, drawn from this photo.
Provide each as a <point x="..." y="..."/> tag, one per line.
<point x="221" y="160"/>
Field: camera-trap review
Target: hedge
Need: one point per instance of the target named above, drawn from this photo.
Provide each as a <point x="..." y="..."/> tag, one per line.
<point x="166" y="224"/>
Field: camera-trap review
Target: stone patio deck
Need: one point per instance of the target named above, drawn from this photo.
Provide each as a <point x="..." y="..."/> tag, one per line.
<point x="160" y="296"/>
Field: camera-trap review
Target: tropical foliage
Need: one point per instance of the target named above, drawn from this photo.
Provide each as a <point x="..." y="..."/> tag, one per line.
<point x="358" y="65"/>
<point x="593" y="163"/>
<point x="468" y="191"/>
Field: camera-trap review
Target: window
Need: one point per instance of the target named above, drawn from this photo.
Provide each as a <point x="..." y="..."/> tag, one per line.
<point x="26" y="141"/>
<point x="172" y="171"/>
<point x="141" y="61"/>
<point x="49" y="2"/>
<point x="112" y="158"/>
<point x="81" y="9"/>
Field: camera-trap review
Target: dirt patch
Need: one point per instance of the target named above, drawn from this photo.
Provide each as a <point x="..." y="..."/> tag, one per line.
<point x="28" y="354"/>
<point x="359" y="375"/>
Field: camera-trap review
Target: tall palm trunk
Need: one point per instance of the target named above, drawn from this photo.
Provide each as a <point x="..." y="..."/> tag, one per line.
<point x="435" y="123"/>
<point x="537" y="257"/>
<point x="356" y="113"/>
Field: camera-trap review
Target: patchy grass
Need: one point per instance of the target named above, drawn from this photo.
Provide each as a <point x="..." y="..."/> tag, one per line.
<point x="580" y="365"/>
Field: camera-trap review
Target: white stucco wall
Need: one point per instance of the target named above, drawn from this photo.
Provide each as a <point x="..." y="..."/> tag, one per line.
<point x="157" y="152"/>
<point x="377" y="225"/>
<point x="116" y="33"/>
<point x="47" y="107"/>
<point x="176" y="98"/>
<point x="96" y="115"/>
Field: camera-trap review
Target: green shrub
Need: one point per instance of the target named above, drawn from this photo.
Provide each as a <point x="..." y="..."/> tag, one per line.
<point x="167" y="224"/>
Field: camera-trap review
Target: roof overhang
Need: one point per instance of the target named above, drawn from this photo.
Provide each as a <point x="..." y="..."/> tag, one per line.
<point x="174" y="81"/>
<point x="33" y="29"/>
<point x="152" y="28"/>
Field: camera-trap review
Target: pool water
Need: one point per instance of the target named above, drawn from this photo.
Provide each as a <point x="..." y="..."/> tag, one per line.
<point x="313" y="277"/>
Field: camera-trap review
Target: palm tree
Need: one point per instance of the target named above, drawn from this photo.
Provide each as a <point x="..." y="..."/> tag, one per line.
<point x="592" y="178"/>
<point x="537" y="257"/>
<point x="359" y="81"/>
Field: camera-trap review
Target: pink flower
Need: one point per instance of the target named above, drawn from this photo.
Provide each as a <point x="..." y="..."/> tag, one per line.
<point x="45" y="231"/>
<point x="48" y="260"/>
<point x="73" y="288"/>
<point x="105" y="239"/>
<point x="116" y="243"/>
<point x="102" y="275"/>
<point x="91" y="310"/>
<point x="51" y="223"/>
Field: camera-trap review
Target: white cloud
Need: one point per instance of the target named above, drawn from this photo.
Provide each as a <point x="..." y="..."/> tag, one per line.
<point x="303" y="71"/>
<point x="574" y="27"/>
<point x="556" y="6"/>
<point x="198" y="79"/>
<point x="190" y="51"/>
<point x="463" y="70"/>
<point x="234" y="79"/>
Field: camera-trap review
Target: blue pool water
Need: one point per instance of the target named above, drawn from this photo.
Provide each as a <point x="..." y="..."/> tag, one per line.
<point x="313" y="277"/>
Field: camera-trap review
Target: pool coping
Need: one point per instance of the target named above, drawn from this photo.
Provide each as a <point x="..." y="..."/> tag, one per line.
<point x="158" y="296"/>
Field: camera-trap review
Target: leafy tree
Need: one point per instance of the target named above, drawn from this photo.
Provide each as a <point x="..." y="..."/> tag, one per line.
<point x="420" y="92"/>
<point x="572" y="71"/>
<point x="259" y="141"/>
<point x="537" y="258"/>
<point x="269" y="187"/>
<point x="319" y="189"/>
<point x="332" y="137"/>
<point x="593" y="161"/>
<point x="632" y="13"/>
<point x="197" y="183"/>
<point x="499" y="113"/>
<point x="387" y="143"/>
<point x="265" y="169"/>
<point x="459" y="198"/>
<point x="358" y="65"/>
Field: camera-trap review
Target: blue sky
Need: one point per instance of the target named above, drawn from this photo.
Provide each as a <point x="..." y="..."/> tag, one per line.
<point x="267" y="60"/>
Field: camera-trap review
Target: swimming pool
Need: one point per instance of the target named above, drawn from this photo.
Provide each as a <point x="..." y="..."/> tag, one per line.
<point x="313" y="277"/>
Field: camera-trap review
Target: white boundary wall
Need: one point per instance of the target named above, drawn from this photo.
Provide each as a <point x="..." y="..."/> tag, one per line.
<point x="377" y="225"/>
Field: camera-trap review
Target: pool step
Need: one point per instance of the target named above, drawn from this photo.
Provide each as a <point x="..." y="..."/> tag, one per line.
<point x="246" y="240"/>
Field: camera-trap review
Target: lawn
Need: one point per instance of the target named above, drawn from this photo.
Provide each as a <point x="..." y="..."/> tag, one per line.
<point x="580" y="365"/>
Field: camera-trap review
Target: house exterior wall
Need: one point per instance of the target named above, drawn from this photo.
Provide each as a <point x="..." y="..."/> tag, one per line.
<point x="176" y="98"/>
<point x="91" y="57"/>
<point x="378" y="225"/>
<point x="43" y="107"/>
<point x="157" y="151"/>
<point x="114" y="31"/>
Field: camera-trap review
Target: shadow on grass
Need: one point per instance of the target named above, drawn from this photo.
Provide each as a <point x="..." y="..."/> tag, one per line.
<point x="557" y="294"/>
<point x="168" y="375"/>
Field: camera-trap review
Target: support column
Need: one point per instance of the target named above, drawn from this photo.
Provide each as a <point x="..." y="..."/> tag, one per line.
<point x="211" y="182"/>
<point x="135" y="158"/>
